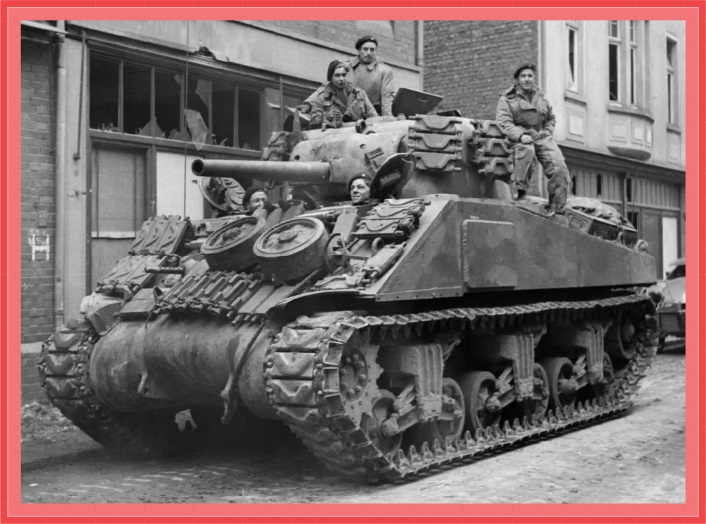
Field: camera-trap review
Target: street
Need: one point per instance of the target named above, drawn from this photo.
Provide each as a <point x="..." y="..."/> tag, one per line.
<point x="638" y="458"/>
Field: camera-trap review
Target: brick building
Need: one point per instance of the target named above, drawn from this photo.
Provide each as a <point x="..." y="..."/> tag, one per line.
<point x="618" y="92"/>
<point x="38" y="209"/>
<point x="109" y="109"/>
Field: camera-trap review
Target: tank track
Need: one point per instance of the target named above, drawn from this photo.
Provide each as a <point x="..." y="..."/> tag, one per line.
<point x="307" y="396"/>
<point x="63" y="372"/>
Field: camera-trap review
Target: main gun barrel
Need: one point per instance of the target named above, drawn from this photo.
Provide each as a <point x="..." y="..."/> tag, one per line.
<point x="306" y="172"/>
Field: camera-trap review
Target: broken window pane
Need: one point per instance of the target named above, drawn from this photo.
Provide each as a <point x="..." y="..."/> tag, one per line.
<point x="167" y="102"/>
<point x="104" y="78"/>
<point x="223" y="114"/>
<point x="136" y="102"/>
<point x="198" y="97"/>
<point x="248" y="119"/>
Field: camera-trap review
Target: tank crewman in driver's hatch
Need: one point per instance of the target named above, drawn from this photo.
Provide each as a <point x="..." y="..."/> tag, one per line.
<point x="256" y="203"/>
<point x="372" y="76"/>
<point x="526" y="117"/>
<point x="359" y="189"/>
<point x="339" y="102"/>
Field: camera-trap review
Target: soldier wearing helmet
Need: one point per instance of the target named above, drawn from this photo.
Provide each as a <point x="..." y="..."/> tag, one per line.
<point x="526" y="117"/>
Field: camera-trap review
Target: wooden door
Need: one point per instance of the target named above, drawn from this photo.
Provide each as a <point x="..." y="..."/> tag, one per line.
<point x="118" y="204"/>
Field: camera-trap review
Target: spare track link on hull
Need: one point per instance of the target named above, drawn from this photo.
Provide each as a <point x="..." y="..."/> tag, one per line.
<point x="63" y="372"/>
<point x="302" y="374"/>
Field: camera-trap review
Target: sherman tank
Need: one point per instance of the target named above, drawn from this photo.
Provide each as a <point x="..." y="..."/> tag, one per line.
<point x="437" y="323"/>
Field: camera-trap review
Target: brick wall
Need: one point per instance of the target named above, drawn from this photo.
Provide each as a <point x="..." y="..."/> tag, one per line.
<point x="470" y="62"/>
<point x="38" y="190"/>
<point x="396" y="38"/>
<point x="31" y="390"/>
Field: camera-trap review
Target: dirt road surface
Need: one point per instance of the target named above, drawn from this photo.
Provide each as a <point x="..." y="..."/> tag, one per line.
<point x="638" y="458"/>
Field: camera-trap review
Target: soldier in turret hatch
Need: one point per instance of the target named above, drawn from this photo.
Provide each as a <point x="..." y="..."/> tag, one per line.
<point x="372" y="76"/>
<point x="338" y="102"/>
<point x="359" y="190"/>
<point x="526" y="117"/>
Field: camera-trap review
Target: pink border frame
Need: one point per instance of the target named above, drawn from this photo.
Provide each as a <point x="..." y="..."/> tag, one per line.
<point x="12" y="510"/>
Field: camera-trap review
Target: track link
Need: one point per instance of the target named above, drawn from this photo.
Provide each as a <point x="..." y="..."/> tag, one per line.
<point x="302" y="373"/>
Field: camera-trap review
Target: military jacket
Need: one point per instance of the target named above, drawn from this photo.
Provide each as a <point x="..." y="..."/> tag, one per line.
<point x="376" y="80"/>
<point x="329" y="107"/>
<point x="518" y="113"/>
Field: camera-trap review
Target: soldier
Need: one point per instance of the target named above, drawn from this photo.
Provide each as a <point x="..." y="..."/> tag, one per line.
<point x="373" y="76"/>
<point x="338" y="101"/>
<point x="255" y="198"/>
<point x="525" y="116"/>
<point x="359" y="189"/>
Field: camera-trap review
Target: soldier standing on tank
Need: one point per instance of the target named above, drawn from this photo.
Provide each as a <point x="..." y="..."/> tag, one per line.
<point x="526" y="117"/>
<point x="372" y="76"/>
<point x="339" y="102"/>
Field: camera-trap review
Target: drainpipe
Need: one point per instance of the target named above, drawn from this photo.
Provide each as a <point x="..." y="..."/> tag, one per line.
<point x="60" y="216"/>
<point x="420" y="51"/>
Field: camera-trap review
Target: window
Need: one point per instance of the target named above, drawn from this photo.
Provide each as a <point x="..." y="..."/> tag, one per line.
<point x="613" y="29"/>
<point x="628" y="190"/>
<point x="572" y="32"/>
<point x="627" y="75"/>
<point x="104" y="101"/>
<point x="599" y="185"/>
<point x="671" y="81"/>
<point x="139" y="99"/>
<point x="614" y="47"/>
<point x="634" y="219"/>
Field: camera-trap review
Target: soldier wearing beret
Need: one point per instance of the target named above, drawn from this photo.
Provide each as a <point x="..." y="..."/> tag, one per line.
<point x="359" y="189"/>
<point x="337" y="101"/>
<point x="526" y="117"/>
<point x="371" y="75"/>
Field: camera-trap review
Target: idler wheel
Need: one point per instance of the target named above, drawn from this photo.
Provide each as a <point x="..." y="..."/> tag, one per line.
<point x="230" y="248"/>
<point x="563" y="387"/>
<point x="292" y="249"/>
<point x="478" y="387"/>
<point x="537" y="404"/>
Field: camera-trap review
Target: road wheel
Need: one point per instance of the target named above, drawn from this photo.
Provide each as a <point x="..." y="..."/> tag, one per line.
<point x="478" y="387"/>
<point x="563" y="387"/>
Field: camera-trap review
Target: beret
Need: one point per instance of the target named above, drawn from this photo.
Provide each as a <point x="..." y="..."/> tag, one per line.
<point x="524" y="66"/>
<point x="250" y="192"/>
<point x="363" y="39"/>
<point x="361" y="176"/>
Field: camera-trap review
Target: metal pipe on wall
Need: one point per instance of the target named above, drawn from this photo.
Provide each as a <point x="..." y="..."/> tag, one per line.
<point x="420" y="51"/>
<point x="60" y="215"/>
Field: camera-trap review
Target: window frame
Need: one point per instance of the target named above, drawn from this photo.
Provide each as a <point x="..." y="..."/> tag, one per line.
<point x="615" y="40"/>
<point x="672" y="80"/>
<point x="575" y="73"/>
<point x="194" y="69"/>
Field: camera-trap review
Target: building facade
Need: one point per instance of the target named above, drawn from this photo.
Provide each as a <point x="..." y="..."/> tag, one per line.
<point x="618" y="92"/>
<point x="114" y="112"/>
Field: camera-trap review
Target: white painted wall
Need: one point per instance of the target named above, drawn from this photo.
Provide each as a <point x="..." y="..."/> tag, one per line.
<point x="670" y="248"/>
<point x="174" y="180"/>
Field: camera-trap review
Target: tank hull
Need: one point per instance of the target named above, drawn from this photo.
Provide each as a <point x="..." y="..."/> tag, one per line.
<point x="437" y="322"/>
